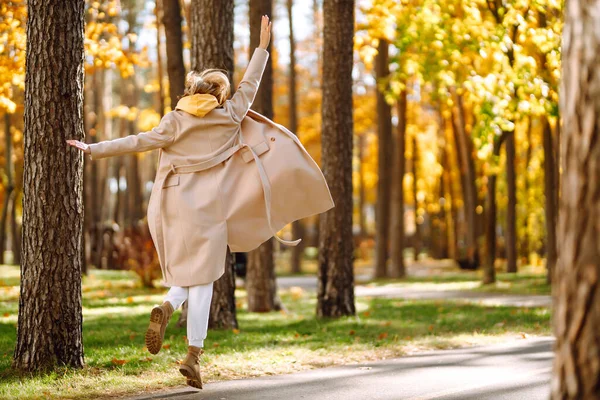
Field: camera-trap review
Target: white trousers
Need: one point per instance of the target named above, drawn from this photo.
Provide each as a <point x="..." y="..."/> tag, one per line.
<point x="198" y="298"/>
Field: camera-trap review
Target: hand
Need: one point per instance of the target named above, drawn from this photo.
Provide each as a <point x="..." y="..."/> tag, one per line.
<point x="80" y="145"/>
<point x="265" y="32"/>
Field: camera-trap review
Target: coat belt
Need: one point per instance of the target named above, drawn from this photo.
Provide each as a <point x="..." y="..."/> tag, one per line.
<point x="204" y="165"/>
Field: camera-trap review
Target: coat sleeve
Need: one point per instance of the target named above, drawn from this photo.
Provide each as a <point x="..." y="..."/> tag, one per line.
<point x="246" y="91"/>
<point x="161" y="136"/>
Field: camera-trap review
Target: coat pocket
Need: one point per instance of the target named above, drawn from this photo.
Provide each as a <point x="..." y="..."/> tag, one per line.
<point x="172" y="180"/>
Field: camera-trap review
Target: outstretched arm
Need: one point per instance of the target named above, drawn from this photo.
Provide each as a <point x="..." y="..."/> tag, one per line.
<point x="244" y="96"/>
<point x="161" y="136"/>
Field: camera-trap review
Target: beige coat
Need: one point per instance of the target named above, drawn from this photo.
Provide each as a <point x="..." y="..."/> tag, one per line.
<point x="229" y="177"/>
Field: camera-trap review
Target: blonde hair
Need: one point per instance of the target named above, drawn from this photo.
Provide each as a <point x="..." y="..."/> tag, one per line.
<point x="210" y="81"/>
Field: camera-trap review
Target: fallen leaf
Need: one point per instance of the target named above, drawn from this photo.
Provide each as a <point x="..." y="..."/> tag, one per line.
<point x="524" y="335"/>
<point x="6" y="315"/>
<point x="118" y="362"/>
<point x="166" y="346"/>
<point x="296" y="335"/>
<point x="383" y="335"/>
<point x="352" y="332"/>
<point x="431" y="328"/>
<point x="236" y="331"/>
<point x="215" y="344"/>
<point x="130" y="299"/>
<point x="132" y="336"/>
<point x="367" y="314"/>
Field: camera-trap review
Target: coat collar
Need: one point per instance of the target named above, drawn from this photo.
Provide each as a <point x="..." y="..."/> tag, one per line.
<point x="198" y="104"/>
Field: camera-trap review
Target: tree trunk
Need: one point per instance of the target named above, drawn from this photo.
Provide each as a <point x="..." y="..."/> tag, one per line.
<point x="577" y="287"/>
<point x="222" y="307"/>
<point x="465" y="147"/>
<point x="260" y="275"/>
<point x="362" y="216"/>
<point x="159" y="68"/>
<point x="174" y="41"/>
<point x="524" y="242"/>
<point x="335" y="293"/>
<point x="551" y="199"/>
<point x="9" y="187"/>
<point x="399" y="166"/>
<point x="415" y="192"/>
<point x="211" y="30"/>
<point x="384" y="160"/>
<point x="15" y="229"/>
<point x="489" y="272"/>
<point x="297" y="228"/>
<point x="511" y="211"/>
<point x="49" y="329"/>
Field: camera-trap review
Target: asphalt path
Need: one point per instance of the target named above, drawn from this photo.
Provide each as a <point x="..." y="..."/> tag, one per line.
<point x="518" y="369"/>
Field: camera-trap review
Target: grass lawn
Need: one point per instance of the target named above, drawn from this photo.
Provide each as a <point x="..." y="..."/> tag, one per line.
<point x="116" y="315"/>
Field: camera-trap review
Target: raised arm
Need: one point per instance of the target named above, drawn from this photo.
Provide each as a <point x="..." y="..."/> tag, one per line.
<point x="246" y="91"/>
<point x="161" y="136"/>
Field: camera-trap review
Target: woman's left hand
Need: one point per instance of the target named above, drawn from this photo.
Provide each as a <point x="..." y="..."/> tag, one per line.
<point x="80" y="145"/>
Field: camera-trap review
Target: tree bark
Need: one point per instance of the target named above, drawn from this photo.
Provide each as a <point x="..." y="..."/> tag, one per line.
<point x="174" y="42"/>
<point x="577" y="288"/>
<point x="297" y="227"/>
<point x="15" y="228"/>
<point x="551" y="199"/>
<point x="384" y="163"/>
<point x="260" y="276"/>
<point x="511" y="211"/>
<point x="223" y="314"/>
<point x="335" y="292"/>
<point x="9" y="187"/>
<point x="415" y="167"/>
<point x="211" y="29"/>
<point x="397" y="226"/>
<point x="49" y="329"/>
<point x="464" y="146"/>
<point x="489" y="272"/>
<point x="362" y="195"/>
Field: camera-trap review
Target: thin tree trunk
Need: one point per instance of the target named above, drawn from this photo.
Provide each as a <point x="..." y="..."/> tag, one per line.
<point x="223" y="314"/>
<point x="297" y="228"/>
<point x="260" y="276"/>
<point x="551" y="199"/>
<point x="511" y="211"/>
<point x="524" y="244"/>
<point x="362" y="216"/>
<point x="159" y="67"/>
<point x="397" y="225"/>
<point x="489" y="273"/>
<point x="335" y="292"/>
<point x="211" y="30"/>
<point x="576" y="308"/>
<point x="384" y="160"/>
<point x="9" y="188"/>
<point x="174" y="41"/>
<point x="415" y="193"/>
<point x="465" y="147"/>
<point x="49" y="331"/>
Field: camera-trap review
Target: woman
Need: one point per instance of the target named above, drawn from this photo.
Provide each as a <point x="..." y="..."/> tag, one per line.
<point x="226" y="177"/>
<point x="203" y="112"/>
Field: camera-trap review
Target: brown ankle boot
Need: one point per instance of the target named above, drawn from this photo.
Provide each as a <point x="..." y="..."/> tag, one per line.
<point x="190" y="367"/>
<point x="159" y="319"/>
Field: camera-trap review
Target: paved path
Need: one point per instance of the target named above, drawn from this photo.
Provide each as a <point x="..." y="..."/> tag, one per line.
<point x="516" y="370"/>
<point x="491" y="299"/>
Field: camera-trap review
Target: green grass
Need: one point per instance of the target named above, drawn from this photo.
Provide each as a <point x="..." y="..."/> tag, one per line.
<point x="116" y="314"/>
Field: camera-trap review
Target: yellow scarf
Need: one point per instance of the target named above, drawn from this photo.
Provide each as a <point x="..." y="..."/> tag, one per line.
<point x="198" y="104"/>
